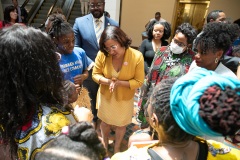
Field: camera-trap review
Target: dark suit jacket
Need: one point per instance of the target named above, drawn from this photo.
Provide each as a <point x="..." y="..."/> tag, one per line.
<point x="85" y="34"/>
<point x="231" y="62"/>
<point x="24" y="14"/>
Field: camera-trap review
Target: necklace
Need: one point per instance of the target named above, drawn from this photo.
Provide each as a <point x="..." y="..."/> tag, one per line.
<point x="175" y="145"/>
<point x="156" y="46"/>
<point x="179" y="149"/>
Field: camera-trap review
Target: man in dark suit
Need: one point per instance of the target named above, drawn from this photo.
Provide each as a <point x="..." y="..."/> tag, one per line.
<point x="87" y="32"/>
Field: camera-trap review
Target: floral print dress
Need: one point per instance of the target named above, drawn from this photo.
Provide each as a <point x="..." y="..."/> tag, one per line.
<point x="165" y="64"/>
<point x="46" y="123"/>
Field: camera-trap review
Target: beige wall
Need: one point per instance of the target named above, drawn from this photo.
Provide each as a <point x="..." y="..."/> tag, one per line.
<point x="113" y="8"/>
<point x="136" y="13"/>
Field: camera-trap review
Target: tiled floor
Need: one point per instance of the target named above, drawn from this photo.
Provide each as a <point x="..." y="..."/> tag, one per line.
<point x="130" y="129"/>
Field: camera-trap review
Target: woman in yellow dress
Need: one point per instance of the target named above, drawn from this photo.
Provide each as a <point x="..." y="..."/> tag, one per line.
<point x="119" y="69"/>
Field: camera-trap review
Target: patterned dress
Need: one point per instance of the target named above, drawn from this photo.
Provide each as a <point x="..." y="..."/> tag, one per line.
<point x="46" y="124"/>
<point x="165" y="64"/>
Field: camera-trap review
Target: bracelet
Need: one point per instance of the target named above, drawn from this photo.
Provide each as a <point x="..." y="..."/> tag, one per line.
<point x="65" y="130"/>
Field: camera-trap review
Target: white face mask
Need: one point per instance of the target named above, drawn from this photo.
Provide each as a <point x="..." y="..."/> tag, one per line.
<point x="175" y="48"/>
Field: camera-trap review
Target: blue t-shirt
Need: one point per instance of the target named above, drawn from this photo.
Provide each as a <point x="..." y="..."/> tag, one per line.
<point x="73" y="64"/>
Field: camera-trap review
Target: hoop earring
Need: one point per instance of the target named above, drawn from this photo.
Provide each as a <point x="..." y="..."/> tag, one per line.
<point x="216" y="60"/>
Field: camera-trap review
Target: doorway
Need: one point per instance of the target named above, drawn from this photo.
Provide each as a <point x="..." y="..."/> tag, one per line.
<point x="193" y="12"/>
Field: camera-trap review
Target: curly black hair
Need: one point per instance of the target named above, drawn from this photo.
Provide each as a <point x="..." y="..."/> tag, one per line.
<point x="160" y="101"/>
<point x="217" y="36"/>
<point x="30" y="75"/>
<point x="167" y="29"/>
<point x="220" y="109"/>
<point x="81" y="141"/>
<point x="237" y="22"/>
<point x="188" y="30"/>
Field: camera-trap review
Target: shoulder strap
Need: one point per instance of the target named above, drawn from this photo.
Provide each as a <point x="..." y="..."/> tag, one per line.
<point x="153" y="154"/>
<point x="203" y="152"/>
<point x="203" y="149"/>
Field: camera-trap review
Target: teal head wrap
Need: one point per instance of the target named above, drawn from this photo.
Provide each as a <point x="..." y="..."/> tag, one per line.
<point x="185" y="95"/>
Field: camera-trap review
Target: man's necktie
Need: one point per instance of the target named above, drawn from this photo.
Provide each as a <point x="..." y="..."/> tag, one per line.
<point x="98" y="30"/>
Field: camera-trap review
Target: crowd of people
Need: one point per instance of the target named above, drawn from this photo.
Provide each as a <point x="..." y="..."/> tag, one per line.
<point x="189" y="88"/>
<point x="181" y="110"/>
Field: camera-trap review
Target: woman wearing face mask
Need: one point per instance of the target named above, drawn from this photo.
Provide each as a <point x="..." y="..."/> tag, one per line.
<point x="171" y="61"/>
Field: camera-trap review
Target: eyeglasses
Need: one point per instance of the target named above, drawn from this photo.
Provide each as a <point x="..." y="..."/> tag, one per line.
<point x="180" y="44"/>
<point x="96" y="5"/>
<point x="114" y="47"/>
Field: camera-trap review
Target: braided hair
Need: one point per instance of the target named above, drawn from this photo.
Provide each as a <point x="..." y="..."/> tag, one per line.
<point x="80" y="142"/>
<point x="160" y="101"/>
<point x="220" y="109"/>
<point x="59" y="26"/>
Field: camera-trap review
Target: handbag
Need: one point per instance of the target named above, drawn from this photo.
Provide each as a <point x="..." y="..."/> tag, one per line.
<point x="83" y="99"/>
<point x="140" y="116"/>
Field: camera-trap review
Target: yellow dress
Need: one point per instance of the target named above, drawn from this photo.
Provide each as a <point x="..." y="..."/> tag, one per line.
<point x="113" y="112"/>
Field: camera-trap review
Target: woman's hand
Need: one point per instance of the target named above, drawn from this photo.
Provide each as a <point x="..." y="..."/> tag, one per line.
<point x="113" y="84"/>
<point x="78" y="88"/>
<point x="78" y="79"/>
